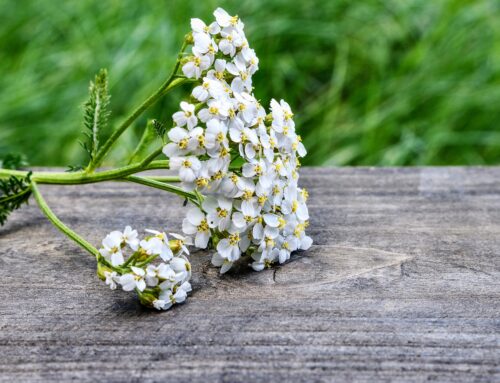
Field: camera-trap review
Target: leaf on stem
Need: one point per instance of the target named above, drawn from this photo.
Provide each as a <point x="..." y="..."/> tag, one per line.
<point x="14" y="191"/>
<point x="160" y="129"/>
<point x="96" y="113"/>
<point x="13" y="161"/>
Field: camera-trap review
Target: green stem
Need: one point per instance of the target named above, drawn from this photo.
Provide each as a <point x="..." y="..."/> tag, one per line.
<point x="163" y="178"/>
<point x="163" y="186"/>
<point x="85" y="178"/>
<point x="171" y="83"/>
<point x="58" y="223"/>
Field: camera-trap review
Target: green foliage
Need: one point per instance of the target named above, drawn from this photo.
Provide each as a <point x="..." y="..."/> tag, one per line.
<point x="14" y="191"/>
<point x="160" y="128"/>
<point x="371" y="82"/>
<point x="13" y="161"/>
<point x="96" y="113"/>
<point x="151" y="131"/>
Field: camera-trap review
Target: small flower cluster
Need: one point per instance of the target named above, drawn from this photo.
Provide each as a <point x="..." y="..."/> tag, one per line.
<point x="159" y="286"/>
<point x="243" y="160"/>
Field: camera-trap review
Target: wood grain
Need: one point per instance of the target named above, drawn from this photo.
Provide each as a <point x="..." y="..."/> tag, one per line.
<point x="401" y="284"/>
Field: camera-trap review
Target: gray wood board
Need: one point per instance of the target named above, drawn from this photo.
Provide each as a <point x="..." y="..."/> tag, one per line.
<point x="401" y="284"/>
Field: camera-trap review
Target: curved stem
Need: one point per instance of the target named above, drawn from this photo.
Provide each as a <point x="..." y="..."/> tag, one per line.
<point x="59" y="224"/>
<point x="163" y="186"/>
<point x="85" y="178"/>
<point x="171" y="83"/>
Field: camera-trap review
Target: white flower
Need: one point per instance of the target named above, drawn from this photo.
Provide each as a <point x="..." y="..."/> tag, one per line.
<point x="195" y="66"/>
<point x="156" y="273"/>
<point x="244" y="161"/>
<point x="225" y="20"/>
<point x="218" y="212"/>
<point x="209" y="88"/>
<point x="231" y="40"/>
<point x="223" y="263"/>
<point x="182" y="268"/>
<point x="130" y="237"/>
<point x="112" y="248"/>
<point x="188" y="167"/>
<point x="216" y="109"/>
<point x="186" y="116"/>
<point x="248" y="215"/>
<point x="196" y="224"/>
<point x="133" y="280"/>
<point x="215" y="135"/>
<point x="111" y="279"/>
<point x="157" y="245"/>
<point x="199" y="26"/>
<point x="230" y="248"/>
<point x="178" y="146"/>
<point x="183" y="241"/>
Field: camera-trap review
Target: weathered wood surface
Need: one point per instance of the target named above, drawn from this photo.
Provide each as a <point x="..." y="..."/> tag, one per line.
<point x="402" y="284"/>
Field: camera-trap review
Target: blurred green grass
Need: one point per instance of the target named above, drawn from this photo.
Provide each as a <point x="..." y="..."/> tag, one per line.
<point x="384" y="82"/>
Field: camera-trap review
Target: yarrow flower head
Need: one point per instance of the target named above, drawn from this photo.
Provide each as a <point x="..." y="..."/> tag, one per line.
<point x="243" y="160"/>
<point x="127" y="261"/>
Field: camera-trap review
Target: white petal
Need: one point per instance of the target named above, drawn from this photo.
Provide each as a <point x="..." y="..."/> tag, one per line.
<point x="195" y="216"/>
<point x="271" y="220"/>
<point x="117" y="258"/>
<point x="201" y="239"/>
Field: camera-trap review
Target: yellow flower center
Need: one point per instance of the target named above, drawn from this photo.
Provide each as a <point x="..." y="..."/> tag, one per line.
<point x="203" y="226"/>
<point x="202" y="182"/>
<point x="282" y="222"/>
<point x="305" y="194"/>
<point x="201" y="140"/>
<point x="183" y="143"/>
<point x="247" y="194"/>
<point x="186" y="164"/>
<point x="234" y="239"/>
<point x="222" y="213"/>
<point x="269" y="242"/>
<point x="218" y="175"/>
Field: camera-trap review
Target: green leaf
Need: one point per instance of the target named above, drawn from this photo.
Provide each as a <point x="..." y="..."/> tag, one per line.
<point x="96" y="113"/>
<point x="148" y="137"/>
<point x="14" y="191"/>
<point x="160" y="129"/>
<point x="13" y="161"/>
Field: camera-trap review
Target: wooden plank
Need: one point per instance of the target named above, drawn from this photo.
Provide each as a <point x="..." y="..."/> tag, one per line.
<point x="402" y="284"/>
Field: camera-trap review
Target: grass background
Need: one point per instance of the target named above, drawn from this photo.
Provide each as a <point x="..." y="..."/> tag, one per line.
<point x="372" y="82"/>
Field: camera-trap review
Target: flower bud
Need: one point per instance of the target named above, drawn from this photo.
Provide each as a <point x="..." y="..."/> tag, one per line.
<point x="188" y="38"/>
<point x="101" y="269"/>
<point x="147" y="297"/>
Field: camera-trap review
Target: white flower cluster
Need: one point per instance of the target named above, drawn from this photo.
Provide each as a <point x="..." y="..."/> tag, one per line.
<point x="242" y="160"/>
<point x="159" y="286"/>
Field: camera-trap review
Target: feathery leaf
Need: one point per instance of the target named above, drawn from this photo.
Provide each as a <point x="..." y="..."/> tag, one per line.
<point x="13" y="161"/>
<point x="96" y="113"/>
<point x="14" y="191"/>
